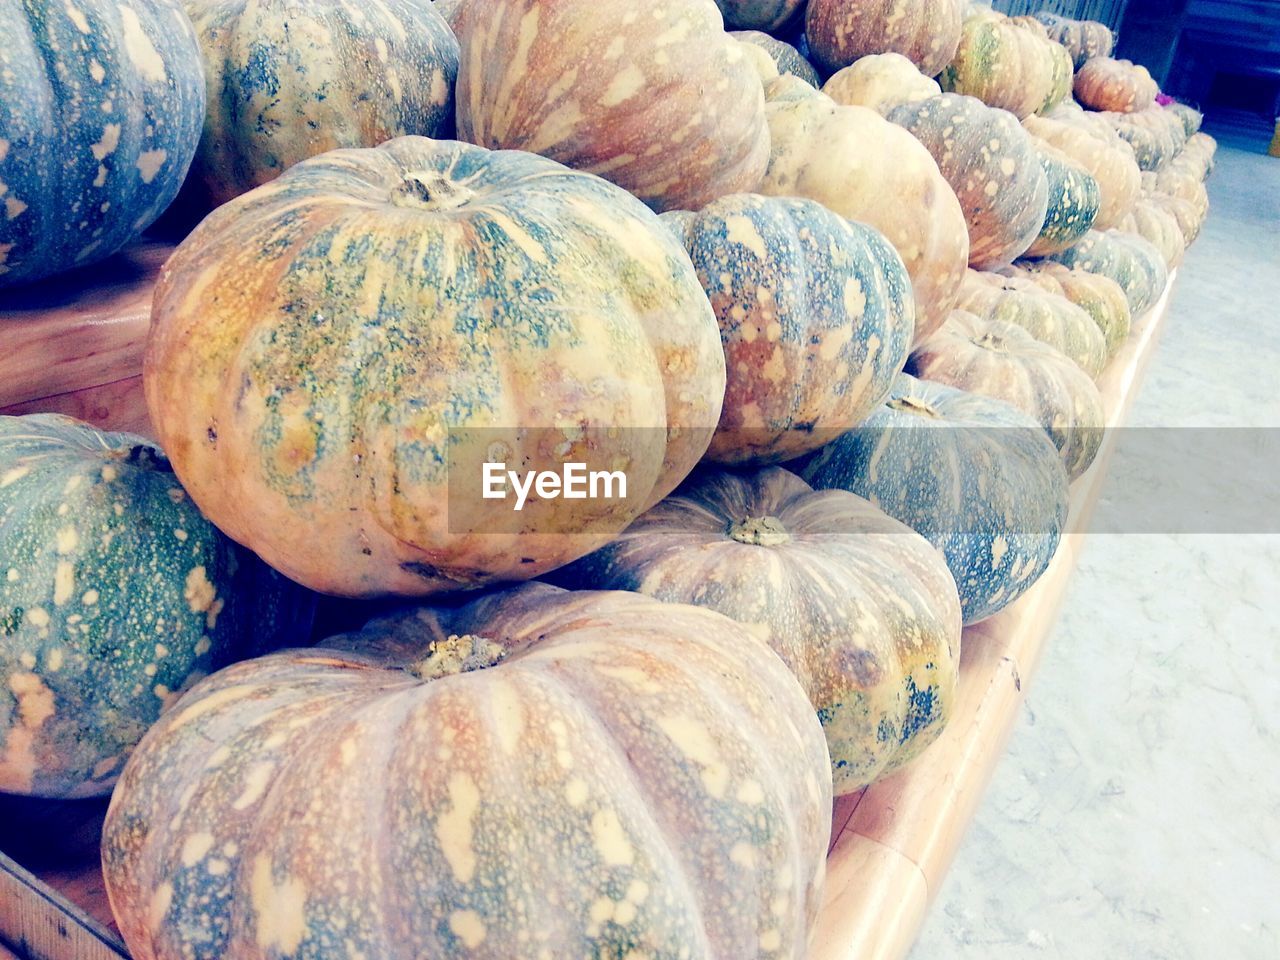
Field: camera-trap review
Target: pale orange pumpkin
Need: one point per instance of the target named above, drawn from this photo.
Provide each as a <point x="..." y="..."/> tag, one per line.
<point x="924" y="31"/>
<point x="1103" y="83"/>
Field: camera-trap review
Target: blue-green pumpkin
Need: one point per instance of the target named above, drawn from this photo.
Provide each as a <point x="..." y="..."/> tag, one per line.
<point x="790" y="61"/>
<point x="116" y="595"/>
<point x="100" y="111"/>
<point x="1074" y="199"/>
<point x="816" y="317"/>
<point x="1126" y="258"/>
<point x="980" y="480"/>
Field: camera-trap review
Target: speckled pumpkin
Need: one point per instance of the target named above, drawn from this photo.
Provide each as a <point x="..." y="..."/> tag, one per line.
<point x="100" y="111"/>
<point x="1127" y="259"/>
<point x="1083" y="39"/>
<point x="288" y="79"/>
<point x="1197" y="156"/>
<point x="977" y="478"/>
<point x="657" y="99"/>
<point x="880" y="82"/>
<point x="1100" y="297"/>
<point x="770" y="15"/>
<point x="1049" y="318"/>
<point x="1191" y="117"/>
<point x="816" y="317"/>
<point x="1061" y="76"/>
<point x="861" y="166"/>
<point x="1157" y="225"/>
<point x="1184" y="213"/>
<point x="992" y="165"/>
<point x="1176" y="182"/>
<point x="924" y="31"/>
<point x="1123" y="86"/>
<point x="1002" y="64"/>
<point x="449" y="9"/>
<point x="1073" y="202"/>
<point x="863" y="610"/>
<point x="786" y="58"/>
<point x="115" y="596"/>
<point x="537" y="775"/>
<point x="329" y="348"/>
<point x="1003" y="361"/>
<point x="1155" y="135"/>
<point x="1107" y="159"/>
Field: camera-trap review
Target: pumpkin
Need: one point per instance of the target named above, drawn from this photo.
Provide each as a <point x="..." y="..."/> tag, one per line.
<point x="288" y="79"/>
<point x="1119" y="86"/>
<point x="1100" y="297"/>
<point x="1061" y="76"/>
<point x="1003" y="361"/>
<point x="1184" y="213"/>
<point x="765" y="67"/>
<point x="449" y="9"/>
<point x="1127" y="259"/>
<point x="100" y="111"/>
<point x="1191" y="117"/>
<point x="923" y="31"/>
<point x="1156" y="136"/>
<point x="1158" y="226"/>
<point x="1083" y="39"/>
<point x="816" y="317"/>
<point x="1049" y="318"/>
<point x="1106" y="158"/>
<point x="861" y="609"/>
<point x="770" y="15"/>
<point x="1001" y="64"/>
<point x="978" y="479"/>
<point x="554" y="774"/>
<point x="1198" y="153"/>
<point x="785" y="57"/>
<point x="667" y="106"/>
<point x="116" y="596"/>
<point x="1179" y="183"/>
<point x="327" y="349"/>
<point x="991" y="164"/>
<point x="881" y="82"/>
<point x="1073" y="202"/>
<point x="861" y="166"/>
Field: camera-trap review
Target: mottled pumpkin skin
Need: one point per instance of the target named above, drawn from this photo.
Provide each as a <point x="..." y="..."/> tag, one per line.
<point x="1061" y="76"/>
<point x="787" y="58"/>
<point x="1002" y="64"/>
<point x="100" y="111"/>
<point x="666" y="105"/>
<point x="854" y="162"/>
<point x="1049" y="318"/>
<point x="115" y="595"/>
<point x="1083" y="39"/>
<point x="992" y="165"/>
<point x="1107" y="159"/>
<point x="1122" y="86"/>
<point x="1155" y="134"/>
<point x="977" y="478"/>
<point x="1127" y="259"/>
<point x="1157" y="225"/>
<point x="1196" y="157"/>
<point x="289" y="79"/>
<point x="1003" y="361"/>
<point x="880" y="82"/>
<point x="1172" y="181"/>
<point x="861" y="609"/>
<point x="323" y="346"/>
<point x="1073" y="204"/>
<point x="816" y="317"/>
<point x="631" y="779"/>
<point x="1100" y="297"/>
<point x="924" y="31"/>
<point x="1184" y="213"/>
<point x="769" y="15"/>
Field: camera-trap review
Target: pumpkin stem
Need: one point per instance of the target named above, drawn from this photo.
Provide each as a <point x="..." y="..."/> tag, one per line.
<point x="759" y="531"/>
<point x="457" y="654"/>
<point x="914" y="405"/>
<point x="428" y="190"/>
<point x="148" y="458"/>
<point x="992" y="341"/>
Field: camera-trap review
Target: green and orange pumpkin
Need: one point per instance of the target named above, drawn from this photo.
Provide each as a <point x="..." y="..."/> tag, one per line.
<point x="1127" y="259"/>
<point x="1122" y="86"/>
<point x="1101" y="154"/>
<point x="767" y="15"/>
<point x="1073" y="202"/>
<point x="1003" y="64"/>
<point x="924" y="31"/>
<point x="1083" y="39"/>
<point x="1100" y="297"/>
<point x="880" y="82"/>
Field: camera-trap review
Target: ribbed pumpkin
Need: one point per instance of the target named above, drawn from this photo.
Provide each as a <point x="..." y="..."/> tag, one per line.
<point x="449" y="9"/>
<point x="867" y="169"/>
<point x="100" y="111"/>
<point x="1083" y="39"/>
<point x="328" y="349"/>
<point x="977" y="478"/>
<point x="1061" y="76"/>
<point x="116" y="596"/>
<point x="1050" y="319"/>
<point x="771" y="15"/>
<point x="786" y="57"/>
<point x="1159" y="227"/>
<point x="1184" y="213"/>
<point x="1127" y="259"/>
<point x="1156" y="136"/>
<point x="1002" y="64"/>
<point x="1003" y="361"/>
<point x="288" y="79"/>
<point x="537" y="774"/>
<point x="992" y="165"/>
<point x="816" y="316"/>
<point x="863" y="610"/>
<point x="1121" y="86"/>
<point x="880" y="82"/>
<point x="923" y="31"/>
<point x="1178" y="183"/>
<point x="1197" y="156"/>
<point x="1100" y="297"/>
<point x="1106" y="158"/>
<point x="1073" y="203"/>
<point x="1191" y="117"/>
<point x="659" y="100"/>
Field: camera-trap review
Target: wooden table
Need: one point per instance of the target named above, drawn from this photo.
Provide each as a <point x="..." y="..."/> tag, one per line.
<point x="891" y="844"/>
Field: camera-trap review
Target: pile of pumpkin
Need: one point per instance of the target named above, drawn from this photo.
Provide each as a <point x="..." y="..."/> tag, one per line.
<point x="842" y="341"/>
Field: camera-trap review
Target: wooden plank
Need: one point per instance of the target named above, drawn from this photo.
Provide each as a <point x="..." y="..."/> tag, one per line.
<point x="110" y="406"/>
<point x="39" y="924"/>
<point x="80" y="330"/>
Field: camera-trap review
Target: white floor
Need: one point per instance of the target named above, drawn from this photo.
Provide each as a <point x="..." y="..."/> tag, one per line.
<point x="1137" y="812"/>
